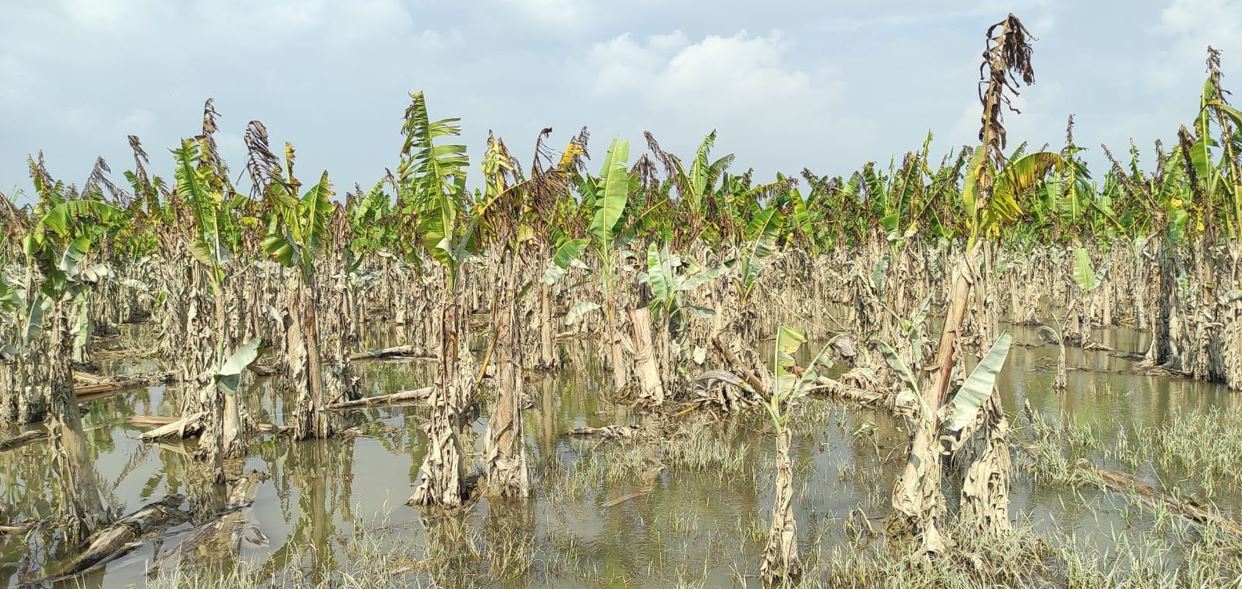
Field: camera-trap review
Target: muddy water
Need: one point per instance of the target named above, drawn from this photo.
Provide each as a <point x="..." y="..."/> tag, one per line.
<point x="693" y="512"/>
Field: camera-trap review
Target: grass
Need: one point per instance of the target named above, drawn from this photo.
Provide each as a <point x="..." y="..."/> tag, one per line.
<point x="1197" y="453"/>
<point x="1205" y="448"/>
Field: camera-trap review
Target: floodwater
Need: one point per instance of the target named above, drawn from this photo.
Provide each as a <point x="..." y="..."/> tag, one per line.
<point x="603" y="514"/>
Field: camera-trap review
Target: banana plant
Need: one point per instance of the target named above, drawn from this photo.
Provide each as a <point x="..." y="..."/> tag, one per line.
<point x="612" y="192"/>
<point x="431" y="188"/>
<point x="1016" y="178"/>
<point x="58" y="245"/>
<point x="696" y="186"/>
<point x="670" y="282"/>
<point x="566" y="257"/>
<point x="754" y="256"/>
<point x="780" y="560"/>
<point x="1219" y="182"/>
<point x="296" y="233"/>
<point x="964" y="404"/>
<point x="370" y="222"/>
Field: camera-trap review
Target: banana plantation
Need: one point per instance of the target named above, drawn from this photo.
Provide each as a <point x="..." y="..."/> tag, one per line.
<point x="585" y="363"/>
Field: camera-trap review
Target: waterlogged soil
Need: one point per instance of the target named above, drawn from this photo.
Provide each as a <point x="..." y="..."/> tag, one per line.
<point x="692" y="510"/>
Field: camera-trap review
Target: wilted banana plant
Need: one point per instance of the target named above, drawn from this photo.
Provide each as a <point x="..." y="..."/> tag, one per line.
<point x="777" y="389"/>
<point x="56" y="250"/>
<point x="508" y="200"/>
<point x="296" y="233"/>
<point x="431" y="194"/>
<point x="1088" y="280"/>
<point x="780" y="557"/>
<point x="211" y="235"/>
<point x="670" y="279"/>
<point x="990" y="197"/>
<point x="972" y="428"/>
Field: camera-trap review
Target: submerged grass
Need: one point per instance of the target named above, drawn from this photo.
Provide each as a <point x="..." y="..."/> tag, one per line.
<point x="1206" y="448"/>
<point x="1197" y="453"/>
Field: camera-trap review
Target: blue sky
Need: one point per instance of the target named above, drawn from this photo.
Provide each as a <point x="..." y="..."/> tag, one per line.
<point x="827" y="85"/>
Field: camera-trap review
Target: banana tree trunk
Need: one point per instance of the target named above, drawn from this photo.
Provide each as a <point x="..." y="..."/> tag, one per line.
<point x="84" y="510"/>
<point x="505" y="453"/>
<point x="547" y="335"/>
<point x="651" y="387"/>
<point x="985" y="487"/>
<point x="781" y="564"/>
<point x="309" y="416"/>
<point x="442" y="471"/>
<point x="616" y="350"/>
<point x="917" y="493"/>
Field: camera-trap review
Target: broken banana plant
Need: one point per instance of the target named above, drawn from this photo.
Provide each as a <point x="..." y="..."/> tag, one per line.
<point x="972" y="430"/>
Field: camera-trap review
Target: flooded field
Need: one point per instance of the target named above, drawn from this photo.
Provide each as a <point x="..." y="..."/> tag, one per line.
<point x="689" y="509"/>
<point x="976" y="366"/>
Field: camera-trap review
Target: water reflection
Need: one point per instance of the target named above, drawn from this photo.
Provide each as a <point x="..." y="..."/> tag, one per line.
<point x="599" y="515"/>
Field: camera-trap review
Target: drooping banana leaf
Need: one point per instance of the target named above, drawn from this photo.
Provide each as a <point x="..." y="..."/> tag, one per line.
<point x="1084" y="275"/>
<point x="565" y="256"/>
<point x="580" y="310"/>
<point x="81" y="330"/>
<point x="316" y="208"/>
<point x="228" y="377"/>
<point x="898" y="366"/>
<point x="699" y="278"/>
<point x="660" y="275"/>
<point x="1017" y="177"/>
<point x="61" y="218"/>
<point x="978" y="386"/>
<point x="34" y="321"/>
<point x="970" y="185"/>
<point x="9" y="297"/>
<point x="788" y="340"/>
<point x="760" y="250"/>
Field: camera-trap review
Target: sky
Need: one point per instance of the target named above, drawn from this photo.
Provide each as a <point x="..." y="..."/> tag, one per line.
<point x="787" y="84"/>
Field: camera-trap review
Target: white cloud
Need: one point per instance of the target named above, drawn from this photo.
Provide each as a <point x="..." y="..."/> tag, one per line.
<point x="1193" y="25"/>
<point x="713" y="79"/>
<point x="768" y="110"/>
<point x="433" y="40"/>
<point x="564" y="13"/>
<point x="138" y="121"/>
<point x="1205" y="21"/>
